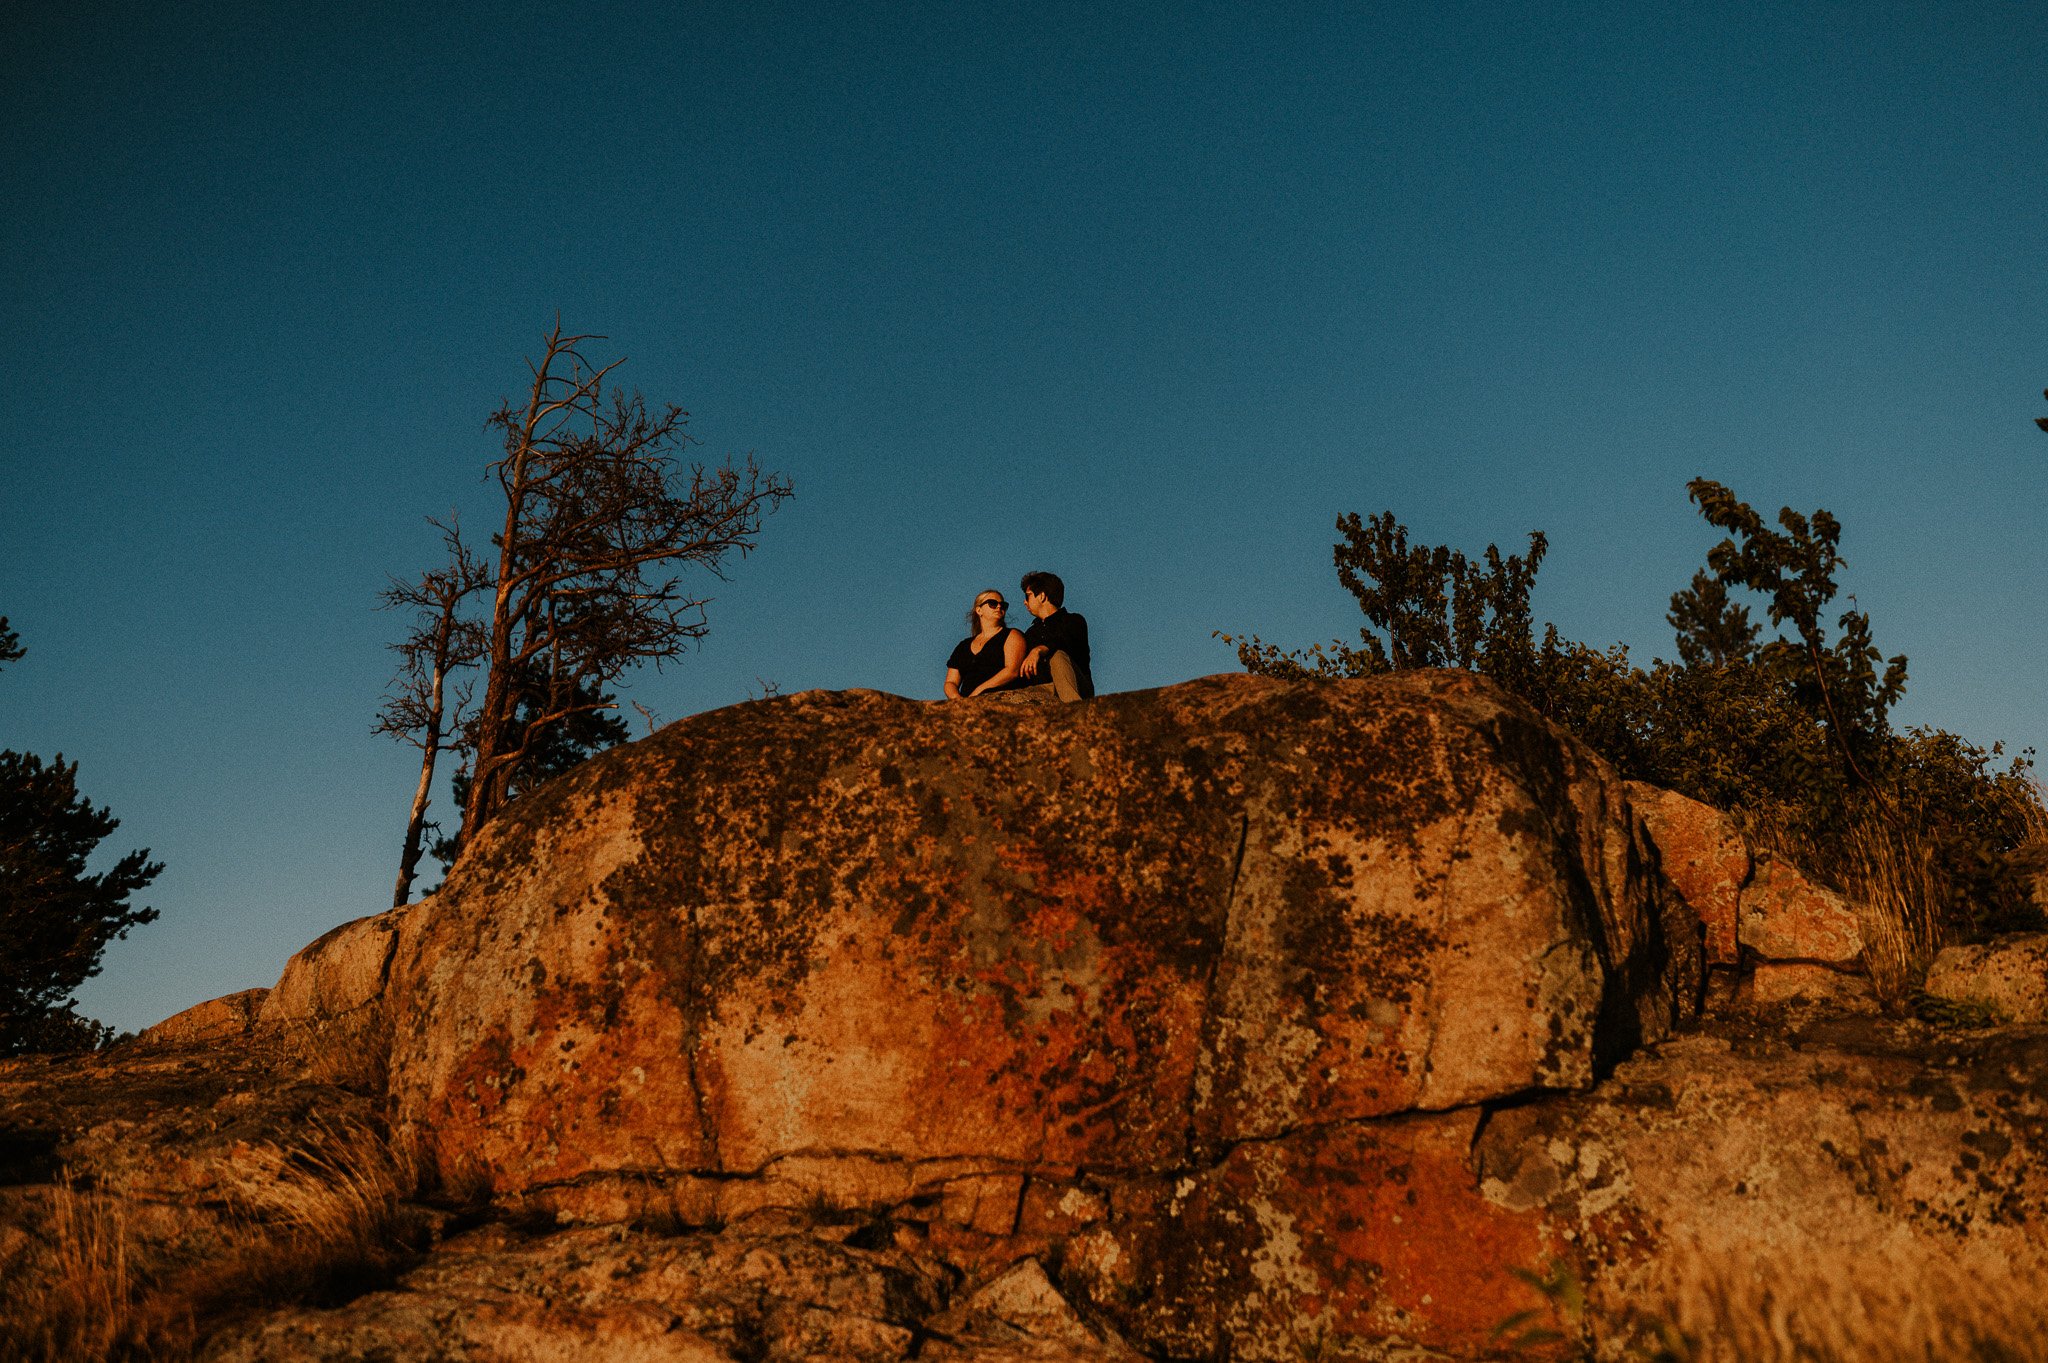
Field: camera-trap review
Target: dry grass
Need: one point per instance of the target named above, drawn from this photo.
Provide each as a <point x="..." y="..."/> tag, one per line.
<point x="349" y="1049"/>
<point x="1911" y="1305"/>
<point x="83" y="1302"/>
<point x="1891" y="877"/>
<point x="321" y="1217"/>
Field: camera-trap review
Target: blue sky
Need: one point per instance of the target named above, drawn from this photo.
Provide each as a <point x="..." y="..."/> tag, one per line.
<point x="1143" y="294"/>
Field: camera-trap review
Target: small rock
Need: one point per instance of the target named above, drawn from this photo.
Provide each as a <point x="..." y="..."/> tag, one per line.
<point x="1021" y="1316"/>
<point x="2007" y="976"/>
<point x="1786" y="917"/>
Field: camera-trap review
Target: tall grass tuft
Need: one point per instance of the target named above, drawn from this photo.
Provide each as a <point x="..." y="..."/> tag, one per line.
<point x="1892" y="875"/>
<point x="321" y="1218"/>
<point x="79" y="1307"/>
<point x="1908" y="1304"/>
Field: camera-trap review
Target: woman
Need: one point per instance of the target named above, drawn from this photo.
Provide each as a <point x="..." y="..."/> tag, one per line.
<point x="988" y="658"/>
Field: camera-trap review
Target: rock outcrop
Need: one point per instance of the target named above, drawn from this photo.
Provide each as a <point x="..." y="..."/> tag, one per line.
<point x="1028" y="971"/>
<point x="864" y="949"/>
<point x="1776" y="934"/>
<point x="1242" y="1019"/>
<point x="227" y="1018"/>
<point x="2005" y="979"/>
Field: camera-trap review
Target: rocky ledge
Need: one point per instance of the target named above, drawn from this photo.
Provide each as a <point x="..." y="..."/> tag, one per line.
<point x="1241" y="1019"/>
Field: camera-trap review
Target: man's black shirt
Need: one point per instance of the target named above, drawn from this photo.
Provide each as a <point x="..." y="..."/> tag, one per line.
<point x="1062" y="632"/>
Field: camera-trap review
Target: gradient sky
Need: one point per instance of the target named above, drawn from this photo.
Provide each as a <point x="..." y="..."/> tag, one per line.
<point x="1142" y="294"/>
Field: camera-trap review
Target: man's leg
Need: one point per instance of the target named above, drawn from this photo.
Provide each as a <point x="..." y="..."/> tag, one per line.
<point x="1064" y="683"/>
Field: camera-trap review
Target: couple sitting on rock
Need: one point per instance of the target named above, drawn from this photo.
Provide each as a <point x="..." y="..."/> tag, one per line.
<point x="994" y="657"/>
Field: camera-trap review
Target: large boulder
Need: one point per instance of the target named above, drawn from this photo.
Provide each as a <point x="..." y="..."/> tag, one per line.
<point x="1119" y="934"/>
<point x="863" y="949"/>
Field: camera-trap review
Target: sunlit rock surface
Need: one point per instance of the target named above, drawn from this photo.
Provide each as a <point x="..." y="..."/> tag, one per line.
<point x="2006" y="978"/>
<point x="1124" y="935"/>
<point x="1238" y="1020"/>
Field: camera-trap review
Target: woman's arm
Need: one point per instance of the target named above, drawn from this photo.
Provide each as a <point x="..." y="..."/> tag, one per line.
<point x="952" y="683"/>
<point x="1013" y="654"/>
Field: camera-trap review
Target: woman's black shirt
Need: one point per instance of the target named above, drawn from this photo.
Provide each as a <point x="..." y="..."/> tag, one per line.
<point x="976" y="668"/>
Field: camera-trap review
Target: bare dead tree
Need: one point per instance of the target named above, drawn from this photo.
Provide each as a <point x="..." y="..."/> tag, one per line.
<point x="602" y="522"/>
<point x="422" y="707"/>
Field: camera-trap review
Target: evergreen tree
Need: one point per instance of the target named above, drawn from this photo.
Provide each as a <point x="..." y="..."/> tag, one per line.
<point x="55" y="920"/>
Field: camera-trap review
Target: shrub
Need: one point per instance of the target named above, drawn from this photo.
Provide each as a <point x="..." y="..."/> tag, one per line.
<point x="1790" y="729"/>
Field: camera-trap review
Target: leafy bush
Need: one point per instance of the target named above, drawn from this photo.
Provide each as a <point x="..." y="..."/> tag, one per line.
<point x="1789" y="727"/>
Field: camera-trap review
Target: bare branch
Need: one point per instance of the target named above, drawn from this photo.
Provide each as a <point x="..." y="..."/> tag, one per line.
<point x="603" y="525"/>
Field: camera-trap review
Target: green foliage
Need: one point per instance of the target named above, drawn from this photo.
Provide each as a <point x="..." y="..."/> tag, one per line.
<point x="1424" y="607"/>
<point x="55" y="919"/>
<point x="1795" y="569"/>
<point x="1790" y="728"/>
<point x="1712" y="632"/>
<point x="11" y="650"/>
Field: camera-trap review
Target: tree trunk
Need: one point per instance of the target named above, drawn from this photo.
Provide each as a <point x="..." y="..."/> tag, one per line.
<point x="415" y="829"/>
<point x="430" y="745"/>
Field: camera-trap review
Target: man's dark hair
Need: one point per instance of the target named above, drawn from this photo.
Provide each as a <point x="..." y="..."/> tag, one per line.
<point x="1047" y="586"/>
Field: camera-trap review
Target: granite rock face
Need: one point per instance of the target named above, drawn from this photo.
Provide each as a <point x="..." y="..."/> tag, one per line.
<point x="1704" y="856"/>
<point x="341" y="974"/>
<point x="1127" y="935"/>
<point x="1837" y="1151"/>
<point x="229" y="1017"/>
<point x="1239" y="1020"/>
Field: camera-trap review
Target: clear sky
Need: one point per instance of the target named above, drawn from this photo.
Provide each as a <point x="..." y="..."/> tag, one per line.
<point x="1143" y="294"/>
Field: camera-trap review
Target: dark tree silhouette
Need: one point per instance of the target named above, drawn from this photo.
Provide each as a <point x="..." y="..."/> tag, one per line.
<point x="1794" y="567"/>
<point x="55" y="920"/>
<point x="602" y="522"/>
<point x="1712" y="631"/>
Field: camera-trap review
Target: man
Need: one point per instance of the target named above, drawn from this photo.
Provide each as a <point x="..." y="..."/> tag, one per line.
<point x="1056" y="645"/>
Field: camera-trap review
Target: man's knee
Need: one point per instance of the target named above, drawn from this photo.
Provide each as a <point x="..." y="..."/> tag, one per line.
<point x="1065" y="683"/>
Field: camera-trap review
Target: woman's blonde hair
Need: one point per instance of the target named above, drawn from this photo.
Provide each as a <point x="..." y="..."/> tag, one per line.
<point x="973" y="622"/>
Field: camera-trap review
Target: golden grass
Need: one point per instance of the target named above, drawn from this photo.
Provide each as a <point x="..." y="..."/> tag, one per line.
<point x="316" y="1216"/>
<point x="349" y="1049"/>
<point x="1888" y="871"/>
<point x="1912" y="1304"/>
<point x="1891" y="877"/>
<point x="79" y="1309"/>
